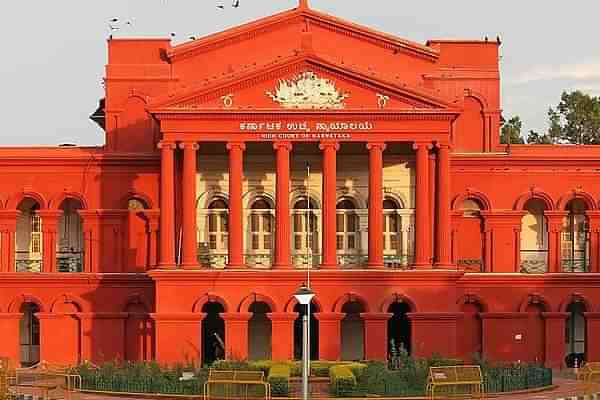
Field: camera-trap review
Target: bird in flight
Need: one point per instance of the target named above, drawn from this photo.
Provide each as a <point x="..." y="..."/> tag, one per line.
<point x="221" y="6"/>
<point x="236" y="4"/>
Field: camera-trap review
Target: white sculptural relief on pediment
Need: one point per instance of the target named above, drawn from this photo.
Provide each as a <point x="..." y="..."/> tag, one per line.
<point x="308" y="91"/>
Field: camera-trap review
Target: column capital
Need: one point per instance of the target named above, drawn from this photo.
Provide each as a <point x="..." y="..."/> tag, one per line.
<point x="282" y="145"/>
<point x="167" y="145"/>
<point x="376" y="316"/>
<point x="555" y="315"/>
<point x="426" y="145"/>
<point x="376" y="146"/>
<point x="236" y="145"/>
<point x="329" y="316"/>
<point x="189" y="145"/>
<point x="443" y="146"/>
<point x="328" y="145"/>
<point x="282" y="316"/>
<point x="236" y="316"/>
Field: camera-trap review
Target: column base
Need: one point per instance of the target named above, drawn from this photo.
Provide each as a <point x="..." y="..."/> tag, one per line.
<point x="422" y="266"/>
<point x="236" y="266"/>
<point x="166" y="266"/>
<point x="376" y="265"/>
<point x="283" y="266"/>
<point x="444" y="266"/>
<point x="329" y="266"/>
<point x="190" y="266"/>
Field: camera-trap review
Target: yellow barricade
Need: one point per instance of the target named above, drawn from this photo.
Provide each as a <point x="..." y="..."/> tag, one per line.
<point x="247" y="385"/>
<point x="460" y="380"/>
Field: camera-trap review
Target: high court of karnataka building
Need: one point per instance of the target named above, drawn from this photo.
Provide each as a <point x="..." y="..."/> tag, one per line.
<point x="235" y="163"/>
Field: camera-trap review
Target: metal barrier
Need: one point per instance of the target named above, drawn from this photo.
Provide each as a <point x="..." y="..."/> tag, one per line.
<point x="47" y="382"/>
<point x="236" y="385"/>
<point x="456" y="380"/>
<point x="6" y="377"/>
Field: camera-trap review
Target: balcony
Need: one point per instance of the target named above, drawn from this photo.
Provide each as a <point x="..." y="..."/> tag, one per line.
<point x="534" y="261"/>
<point x="575" y="265"/>
<point x="69" y="261"/>
<point x="28" y="262"/>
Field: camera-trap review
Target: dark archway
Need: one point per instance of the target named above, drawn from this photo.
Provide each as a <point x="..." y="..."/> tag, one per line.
<point x="29" y="335"/>
<point x="259" y="332"/>
<point x="471" y="336"/>
<point x="353" y="331"/>
<point x="314" y="331"/>
<point x="213" y="333"/>
<point x="399" y="326"/>
<point x="576" y="334"/>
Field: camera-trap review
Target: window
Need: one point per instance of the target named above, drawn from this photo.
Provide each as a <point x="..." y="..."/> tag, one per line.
<point x="347" y="226"/>
<point x="391" y="226"/>
<point x="218" y="230"/>
<point x="305" y="226"/>
<point x="261" y="226"/>
<point x="575" y="238"/>
<point x="35" y="245"/>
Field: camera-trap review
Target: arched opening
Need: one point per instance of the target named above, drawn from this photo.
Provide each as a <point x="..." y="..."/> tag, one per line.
<point x="398" y="328"/>
<point x="471" y="244"/>
<point x="260" y="241"/>
<point x="348" y="237"/>
<point x="213" y="251"/>
<point x="69" y="247"/>
<point x="536" y="340"/>
<point x="575" y="334"/>
<point x="29" y="335"/>
<point x="29" y="241"/>
<point x="313" y="331"/>
<point x="139" y="333"/>
<point x="575" y="244"/>
<point x="137" y="256"/>
<point x="471" y="335"/>
<point x="259" y="332"/>
<point x="534" y="238"/>
<point x="306" y="233"/>
<point x="353" y="331"/>
<point x="213" y="333"/>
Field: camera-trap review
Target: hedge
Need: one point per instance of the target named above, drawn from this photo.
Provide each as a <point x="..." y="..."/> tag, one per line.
<point x="279" y="378"/>
<point x="342" y="380"/>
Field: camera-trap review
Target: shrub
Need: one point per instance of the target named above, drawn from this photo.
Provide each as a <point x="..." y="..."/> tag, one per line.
<point x="230" y="365"/>
<point x="342" y="380"/>
<point x="279" y="378"/>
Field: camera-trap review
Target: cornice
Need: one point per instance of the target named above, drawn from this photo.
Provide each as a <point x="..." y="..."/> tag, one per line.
<point x="61" y="279"/>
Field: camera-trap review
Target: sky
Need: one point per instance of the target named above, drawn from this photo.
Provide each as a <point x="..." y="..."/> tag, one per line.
<point x="54" y="52"/>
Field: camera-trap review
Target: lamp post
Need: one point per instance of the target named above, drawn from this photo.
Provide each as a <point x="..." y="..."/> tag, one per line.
<point x="304" y="296"/>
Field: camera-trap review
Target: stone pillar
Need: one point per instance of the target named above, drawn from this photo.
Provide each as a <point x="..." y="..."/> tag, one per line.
<point x="282" y="339"/>
<point x="330" y="338"/>
<point x="555" y="338"/>
<point x="443" y="248"/>
<point x="10" y="328"/>
<point x="236" y="335"/>
<point x="52" y="340"/>
<point x="502" y="240"/>
<point x="236" y="209"/>
<point x="91" y="236"/>
<point x="376" y="204"/>
<point x="426" y="337"/>
<point x="594" y="222"/>
<point x="102" y="336"/>
<point x="178" y="337"/>
<point x="376" y="340"/>
<point x="152" y="226"/>
<point x="282" y="206"/>
<point x="555" y="223"/>
<point x="8" y="227"/>
<point x="500" y="332"/>
<point x="592" y="323"/>
<point x="329" y="236"/>
<point x="189" y="257"/>
<point x="422" y="217"/>
<point x="167" y="205"/>
<point x="49" y="235"/>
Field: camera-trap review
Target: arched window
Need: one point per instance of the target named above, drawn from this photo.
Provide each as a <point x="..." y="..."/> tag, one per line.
<point x="575" y="238"/>
<point x="391" y="227"/>
<point x="218" y="230"/>
<point x="69" y="249"/>
<point x="261" y="226"/>
<point x="470" y="243"/>
<point x="305" y="226"/>
<point x="29" y="237"/>
<point x="534" y="238"/>
<point x="347" y="225"/>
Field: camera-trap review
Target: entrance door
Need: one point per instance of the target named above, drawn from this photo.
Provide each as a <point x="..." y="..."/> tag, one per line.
<point x="29" y="335"/>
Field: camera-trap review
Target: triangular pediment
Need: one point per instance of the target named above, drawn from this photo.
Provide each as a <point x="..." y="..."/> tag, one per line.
<point x="302" y="82"/>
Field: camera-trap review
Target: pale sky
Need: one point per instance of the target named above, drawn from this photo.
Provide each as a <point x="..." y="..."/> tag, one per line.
<point x="54" y="52"/>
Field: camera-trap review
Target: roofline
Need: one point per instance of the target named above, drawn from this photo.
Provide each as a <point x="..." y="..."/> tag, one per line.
<point x="461" y="41"/>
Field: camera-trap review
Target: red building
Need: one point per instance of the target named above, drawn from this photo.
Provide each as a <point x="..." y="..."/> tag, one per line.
<point x="199" y="216"/>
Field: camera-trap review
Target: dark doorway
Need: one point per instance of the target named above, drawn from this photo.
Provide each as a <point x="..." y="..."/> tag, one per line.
<point x="213" y="333"/>
<point x="575" y="335"/>
<point x="353" y="332"/>
<point x="259" y="332"/>
<point x="29" y="335"/>
<point x="314" y="331"/>
<point x="399" y="327"/>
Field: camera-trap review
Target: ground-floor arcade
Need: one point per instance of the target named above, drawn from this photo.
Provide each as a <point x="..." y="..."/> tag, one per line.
<point x="204" y="315"/>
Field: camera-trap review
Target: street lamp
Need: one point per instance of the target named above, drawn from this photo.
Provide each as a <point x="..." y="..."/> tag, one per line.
<point x="304" y="295"/>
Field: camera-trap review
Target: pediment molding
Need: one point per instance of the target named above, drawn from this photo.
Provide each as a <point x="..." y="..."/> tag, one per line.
<point x="302" y="17"/>
<point x="226" y="87"/>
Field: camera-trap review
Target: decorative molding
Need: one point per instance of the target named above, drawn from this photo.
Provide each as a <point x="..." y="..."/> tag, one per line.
<point x="308" y="91"/>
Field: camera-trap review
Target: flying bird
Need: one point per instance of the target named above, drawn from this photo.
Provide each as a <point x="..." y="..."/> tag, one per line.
<point x="236" y="4"/>
<point x="113" y="20"/>
<point x="192" y="37"/>
<point x="221" y="6"/>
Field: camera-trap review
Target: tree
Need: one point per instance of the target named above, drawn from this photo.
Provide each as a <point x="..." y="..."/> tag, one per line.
<point x="511" y="131"/>
<point x="537" y="138"/>
<point x="576" y="119"/>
